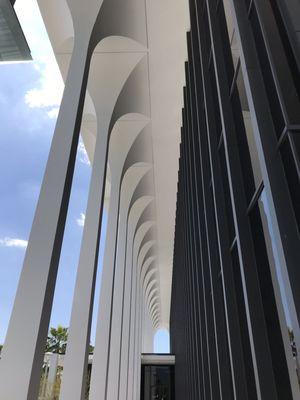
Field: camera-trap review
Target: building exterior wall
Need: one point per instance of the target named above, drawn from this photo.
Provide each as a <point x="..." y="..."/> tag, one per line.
<point x="235" y="296"/>
<point x="109" y="66"/>
<point x="235" y="305"/>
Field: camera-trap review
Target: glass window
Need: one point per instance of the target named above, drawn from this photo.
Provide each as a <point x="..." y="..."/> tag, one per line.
<point x="157" y="382"/>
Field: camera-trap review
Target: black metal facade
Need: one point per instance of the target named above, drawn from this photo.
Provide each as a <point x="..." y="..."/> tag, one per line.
<point x="236" y="272"/>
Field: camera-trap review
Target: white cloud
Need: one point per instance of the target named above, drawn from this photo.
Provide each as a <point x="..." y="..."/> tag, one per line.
<point x="53" y="113"/>
<point x="49" y="90"/>
<point x="83" y="156"/>
<point x="80" y="221"/>
<point x="13" y="242"/>
<point x="49" y="87"/>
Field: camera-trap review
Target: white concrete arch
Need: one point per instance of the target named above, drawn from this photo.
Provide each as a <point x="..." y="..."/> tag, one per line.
<point x="131" y="212"/>
<point x="111" y="75"/>
<point x="141" y="148"/>
<point x="134" y="96"/>
<point x="151" y="251"/>
<point x="145" y="267"/>
<point x="144" y="271"/>
<point x="140" y="234"/>
<point x="149" y="258"/>
<point x="152" y="284"/>
<point x="156" y="324"/>
<point x="99" y="376"/>
<point x="128" y="312"/>
<point x="108" y="75"/>
<point x="155" y="307"/>
<point x="150" y="279"/>
<point x="147" y="272"/>
<point x="37" y="281"/>
<point x="153" y="297"/>
<point x="122" y="18"/>
<point x="149" y="264"/>
<point x="123" y="105"/>
<point x="129" y="328"/>
<point x="149" y="236"/>
<point x="155" y="313"/>
<point x="149" y="215"/>
<point x="134" y="378"/>
<point x="116" y="31"/>
<point x="146" y="321"/>
<point x="151" y="271"/>
<point x="155" y="319"/>
<point x="166" y="25"/>
<point x="143" y="252"/>
<point x="59" y="34"/>
<point x="122" y="138"/>
<point x="123" y="44"/>
<point x="134" y="390"/>
<point x="135" y="337"/>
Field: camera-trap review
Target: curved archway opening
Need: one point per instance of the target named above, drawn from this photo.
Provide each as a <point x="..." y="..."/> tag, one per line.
<point x="162" y="341"/>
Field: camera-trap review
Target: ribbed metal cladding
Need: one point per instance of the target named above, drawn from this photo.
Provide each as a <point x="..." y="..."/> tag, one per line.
<point x="239" y="163"/>
<point x="13" y="44"/>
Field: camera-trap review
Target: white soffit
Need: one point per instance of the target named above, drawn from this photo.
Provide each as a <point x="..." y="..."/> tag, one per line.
<point x="168" y="22"/>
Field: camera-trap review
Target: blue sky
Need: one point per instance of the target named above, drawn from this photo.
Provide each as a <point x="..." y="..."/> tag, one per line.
<point x="30" y="95"/>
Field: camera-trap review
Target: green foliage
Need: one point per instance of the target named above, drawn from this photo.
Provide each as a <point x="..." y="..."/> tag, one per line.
<point x="57" y="340"/>
<point x="91" y="349"/>
<point x="1" y="347"/>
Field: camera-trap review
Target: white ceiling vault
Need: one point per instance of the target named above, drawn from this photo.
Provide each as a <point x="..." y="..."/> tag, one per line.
<point x="145" y="41"/>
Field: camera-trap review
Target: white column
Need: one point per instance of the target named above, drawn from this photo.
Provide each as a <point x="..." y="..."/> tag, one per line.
<point x="145" y="272"/>
<point x="107" y="328"/>
<point x="131" y="390"/>
<point x="99" y="369"/>
<point x="75" y="369"/>
<point x="140" y="306"/>
<point x="129" y="100"/>
<point x="33" y="302"/>
<point x="75" y="365"/>
<point x="131" y="254"/>
<point x="129" y="224"/>
<point x="149" y="334"/>
<point x="138" y="341"/>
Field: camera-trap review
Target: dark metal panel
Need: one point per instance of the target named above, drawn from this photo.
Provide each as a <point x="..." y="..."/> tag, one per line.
<point x="203" y="172"/>
<point x="224" y="319"/>
<point x="205" y="333"/>
<point x="255" y="314"/>
<point x="266" y="138"/>
<point x="13" y="44"/>
<point x="235" y="343"/>
<point x="196" y="173"/>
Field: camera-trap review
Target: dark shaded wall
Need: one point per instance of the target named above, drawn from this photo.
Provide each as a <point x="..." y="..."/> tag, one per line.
<point x="240" y="147"/>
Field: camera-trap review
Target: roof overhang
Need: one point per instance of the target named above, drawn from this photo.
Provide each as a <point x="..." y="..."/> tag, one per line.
<point x="158" y="359"/>
<point x="13" y="45"/>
